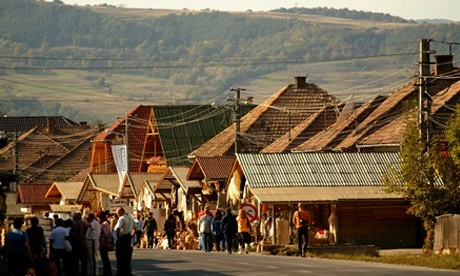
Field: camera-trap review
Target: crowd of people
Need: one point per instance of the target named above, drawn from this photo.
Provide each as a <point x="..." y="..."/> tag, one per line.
<point x="77" y="244"/>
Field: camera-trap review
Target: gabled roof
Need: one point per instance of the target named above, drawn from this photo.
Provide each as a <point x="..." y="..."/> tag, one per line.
<point x="138" y="125"/>
<point x="289" y="107"/>
<point x="336" y="132"/>
<point x="211" y="168"/>
<point x="67" y="190"/>
<point x="45" y="156"/>
<point x="304" y="131"/>
<point x="34" y="194"/>
<point x="180" y="175"/>
<point x="184" y="128"/>
<point x="133" y="182"/>
<point x="108" y="183"/>
<point x="21" y="124"/>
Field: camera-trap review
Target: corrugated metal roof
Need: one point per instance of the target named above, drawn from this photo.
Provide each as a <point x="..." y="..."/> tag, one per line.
<point x="182" y="129"/>
<point x="321" y="194"/>
<point x="316" y="169"/>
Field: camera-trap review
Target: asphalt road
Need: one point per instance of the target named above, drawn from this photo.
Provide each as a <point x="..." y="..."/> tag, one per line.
<point x="179" y="262"/>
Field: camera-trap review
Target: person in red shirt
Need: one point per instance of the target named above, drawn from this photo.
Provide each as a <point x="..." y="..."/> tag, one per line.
<point x="301" y="221"/>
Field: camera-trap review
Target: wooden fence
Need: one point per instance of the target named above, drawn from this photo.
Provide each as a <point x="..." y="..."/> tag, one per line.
<point x="447" y="234"/>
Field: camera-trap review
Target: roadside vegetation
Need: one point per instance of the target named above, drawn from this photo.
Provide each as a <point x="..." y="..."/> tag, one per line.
<point x="425" y="260"/>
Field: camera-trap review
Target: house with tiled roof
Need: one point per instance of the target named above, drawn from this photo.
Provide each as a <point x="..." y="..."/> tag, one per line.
<point x="273" y="118"/>
<point x="48" y="153"/>
<point x="378" y="124"/>
<point x="212" y="172"/>
<point x="22" y="124"/>
<point x="32" y="196"/>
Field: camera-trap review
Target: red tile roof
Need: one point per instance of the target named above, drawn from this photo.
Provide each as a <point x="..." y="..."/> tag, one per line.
<point x="211" y="168"/>
<point x="34" y="194"/>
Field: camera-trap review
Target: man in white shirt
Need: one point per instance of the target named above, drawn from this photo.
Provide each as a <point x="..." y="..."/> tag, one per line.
<point x="125" y="229"/>
<point x="92" y="242"/>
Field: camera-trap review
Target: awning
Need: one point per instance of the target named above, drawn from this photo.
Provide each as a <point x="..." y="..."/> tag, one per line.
<point x="321" y="194"/>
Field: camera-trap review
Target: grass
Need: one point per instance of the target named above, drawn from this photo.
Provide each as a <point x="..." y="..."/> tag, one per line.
<point x="424" y="260"/>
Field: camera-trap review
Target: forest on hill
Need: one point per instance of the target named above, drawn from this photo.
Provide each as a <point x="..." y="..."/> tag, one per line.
<point x="92" y="62"/>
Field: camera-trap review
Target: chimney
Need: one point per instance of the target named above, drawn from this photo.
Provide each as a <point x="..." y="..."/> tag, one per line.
<point x="443" y="64"/>
<point x="51" y="124"/>
<point x="301" y="81"/>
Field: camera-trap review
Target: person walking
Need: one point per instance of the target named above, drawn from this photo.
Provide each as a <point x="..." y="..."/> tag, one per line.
<point x="106" y="233"/>
<point x="140" y="227"/>
<point x="125" y="230"/>
<point x="243" y="231"/>
<point x="77" y="238"/>
<point x="150" y="227"/>
<point x="301" y="221"/>
<point x="18" y="249"/>
<point x="216" y="228"/>
<point x="229" y="227"/>
<point x="37" y="244"/>
<point x="170" y="230"/>
<point x="57" y="239"/>
<point x="204" y="226"/>
<point x="93" y="233"/>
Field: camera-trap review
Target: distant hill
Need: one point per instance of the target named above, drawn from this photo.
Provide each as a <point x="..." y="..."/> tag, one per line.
<point x="346" y="13"/>
<point x="93" y="63"/>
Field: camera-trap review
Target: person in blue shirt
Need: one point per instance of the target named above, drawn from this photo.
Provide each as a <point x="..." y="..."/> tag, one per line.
<point x="18" y="250"/>
<point x="57" y="239"/>
<point x="217" y="230"/>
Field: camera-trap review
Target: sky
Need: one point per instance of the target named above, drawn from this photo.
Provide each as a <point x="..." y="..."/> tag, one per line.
<point x="407" y="9"/>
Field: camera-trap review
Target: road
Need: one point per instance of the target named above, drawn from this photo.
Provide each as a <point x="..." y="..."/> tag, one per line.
<point x="179" y="262"/>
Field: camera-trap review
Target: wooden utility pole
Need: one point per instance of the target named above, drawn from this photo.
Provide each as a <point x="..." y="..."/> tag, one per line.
<point x="237" y="114"/>
<point x="424" y="100"/>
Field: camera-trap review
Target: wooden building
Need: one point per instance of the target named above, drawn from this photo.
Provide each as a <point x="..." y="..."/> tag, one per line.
<point x="344" y="188"/>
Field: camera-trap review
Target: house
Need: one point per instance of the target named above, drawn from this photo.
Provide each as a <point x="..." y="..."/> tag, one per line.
<point x="67" y="191"/>
<point x="173" y="192"/>
<point x="159" y="136"/>
<point x="344" y="187"/>
<point x="212" y="172"/>
<point x="156" y="137"/>
<point x="46" y="149"/>
<point x="32" y="197"/>
<point x="98" y="189"/>
<point x="275" y="117"/>
<point x="378" y="124"/>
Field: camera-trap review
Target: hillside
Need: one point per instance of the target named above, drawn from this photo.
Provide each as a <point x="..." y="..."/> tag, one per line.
<point x="94" y="63"/>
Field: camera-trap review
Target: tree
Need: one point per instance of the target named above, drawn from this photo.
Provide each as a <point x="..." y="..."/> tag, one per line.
<point x="428" y="179"/>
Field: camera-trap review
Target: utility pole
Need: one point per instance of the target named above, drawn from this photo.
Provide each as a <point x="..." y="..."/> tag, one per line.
<point x="424" y="101"/>
<point x="127" y="140"/>
<point x="237" y="114"/>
